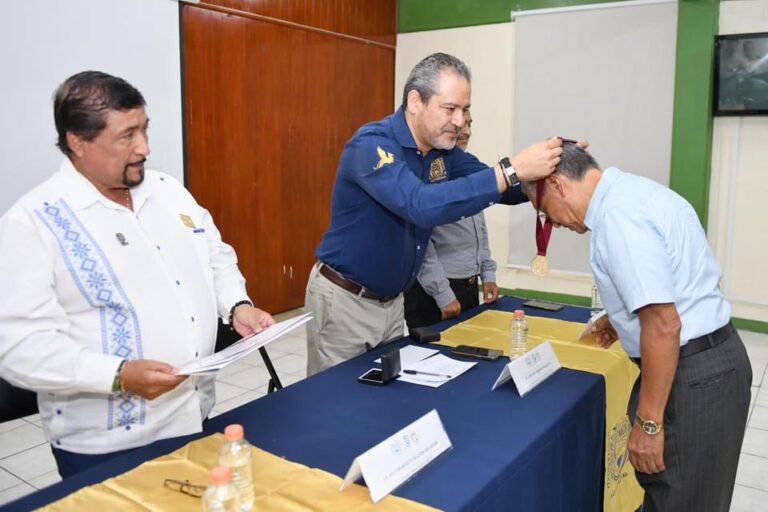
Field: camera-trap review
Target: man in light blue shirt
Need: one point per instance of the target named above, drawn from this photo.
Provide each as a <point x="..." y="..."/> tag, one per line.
<point x="659" y="281"/>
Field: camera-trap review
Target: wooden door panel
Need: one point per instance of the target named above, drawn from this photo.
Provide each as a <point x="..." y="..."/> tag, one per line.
<point x="268" y="108"/>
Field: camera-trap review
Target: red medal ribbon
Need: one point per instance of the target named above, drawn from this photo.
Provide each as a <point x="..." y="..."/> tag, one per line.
<point x="543" y="229"/>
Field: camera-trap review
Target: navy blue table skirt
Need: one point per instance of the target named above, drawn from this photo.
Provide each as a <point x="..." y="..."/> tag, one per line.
<point x="543" y="452"/>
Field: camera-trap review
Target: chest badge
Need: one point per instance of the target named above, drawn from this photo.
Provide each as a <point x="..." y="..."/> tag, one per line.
<point x="437" y="170"/>
<point x="187" y="221"/>
<point x="384" y="158"/>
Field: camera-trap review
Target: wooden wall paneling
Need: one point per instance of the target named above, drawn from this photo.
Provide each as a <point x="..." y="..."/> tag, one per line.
<point x="370" y="19"/>
<point x="230" y="152"/>
<point x="268" y="110"/>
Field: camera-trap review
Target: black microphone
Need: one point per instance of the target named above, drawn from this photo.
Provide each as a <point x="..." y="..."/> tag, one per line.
<point x="121" y="238"/>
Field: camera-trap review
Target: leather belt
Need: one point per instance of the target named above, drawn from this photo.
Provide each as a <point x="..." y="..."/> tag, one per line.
<point x="702" y="343"/>
<point x="350" y="286"/>
<point x="465" y="280"/>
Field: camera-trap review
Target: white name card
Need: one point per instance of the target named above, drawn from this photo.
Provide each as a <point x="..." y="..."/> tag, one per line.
<point x="530" y="369"/>
<point x="393" y="461"/>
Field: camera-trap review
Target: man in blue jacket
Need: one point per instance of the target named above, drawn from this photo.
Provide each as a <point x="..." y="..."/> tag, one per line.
<point x="397" y="179"/>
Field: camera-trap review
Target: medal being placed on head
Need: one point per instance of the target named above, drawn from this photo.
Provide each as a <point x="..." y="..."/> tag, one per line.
<point x="540" y="264"/>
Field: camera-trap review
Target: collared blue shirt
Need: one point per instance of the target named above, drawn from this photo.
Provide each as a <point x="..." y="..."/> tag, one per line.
<point x="648" y="247"/>
<point x="387" y="198"/>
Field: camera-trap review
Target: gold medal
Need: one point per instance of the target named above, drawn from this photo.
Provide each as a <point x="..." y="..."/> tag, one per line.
<point x="540" y="266"/>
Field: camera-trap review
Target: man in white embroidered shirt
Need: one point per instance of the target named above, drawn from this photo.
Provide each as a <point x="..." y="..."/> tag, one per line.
<point x="112" y="276"/>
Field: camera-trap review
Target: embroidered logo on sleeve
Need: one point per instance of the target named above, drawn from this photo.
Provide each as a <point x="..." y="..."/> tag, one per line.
<point x="384" y="158"/>
<point x="437" y="170"/>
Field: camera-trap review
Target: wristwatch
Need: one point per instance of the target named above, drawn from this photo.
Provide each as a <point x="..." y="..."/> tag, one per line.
<point x="650" y="427"/>
<point x="509" y="172"/>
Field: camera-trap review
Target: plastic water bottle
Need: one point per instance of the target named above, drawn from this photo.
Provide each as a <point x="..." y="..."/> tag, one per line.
<point x="518" y="335"/>
<point x="221" y="495"/>
<point x="236" y="455"/>
<point x="597" y="302"/>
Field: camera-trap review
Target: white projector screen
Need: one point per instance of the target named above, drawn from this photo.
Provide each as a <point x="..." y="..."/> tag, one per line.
<point x="46" y="41"/>
<point x="604" y="73"/>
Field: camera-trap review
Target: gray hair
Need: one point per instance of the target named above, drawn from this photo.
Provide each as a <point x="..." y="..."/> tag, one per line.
<point x="575" y="162"/>
<point x="423" y="77"/>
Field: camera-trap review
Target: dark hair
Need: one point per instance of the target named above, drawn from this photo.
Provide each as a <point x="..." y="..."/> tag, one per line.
<point x="81" y="103"/>
<point x="423" y="76"/>
<point x="575" y="162"/>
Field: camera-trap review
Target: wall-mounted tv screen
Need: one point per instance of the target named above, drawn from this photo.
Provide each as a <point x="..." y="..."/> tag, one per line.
<point x="741" y="75"/>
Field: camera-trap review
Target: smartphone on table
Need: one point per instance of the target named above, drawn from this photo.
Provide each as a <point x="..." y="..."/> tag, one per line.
<point x="487" y="354"/>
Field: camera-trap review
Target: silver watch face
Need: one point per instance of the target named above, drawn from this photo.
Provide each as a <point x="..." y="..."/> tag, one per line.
<point x="651" y="428"/>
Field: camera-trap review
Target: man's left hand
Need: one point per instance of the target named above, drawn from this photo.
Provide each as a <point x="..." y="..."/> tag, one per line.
<point x="646" y="452"/>
<point x="248" y="320"/>
<point x="490" y="292"/>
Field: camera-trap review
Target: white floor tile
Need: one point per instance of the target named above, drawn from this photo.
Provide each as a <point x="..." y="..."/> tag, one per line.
<point x="291" y="378"/>
<point x="239" y="400"/>
<point x="753" y="472"/>
<point x="758" y="370"/>
<point x="747" y="499"/>
<point x="34" y="419"/>
<point x="254" y="359"/>
<point x="10" y="425"/>
<point x="291" y="363"/>
<point x="8" y="480"/>
<point x="759" y="418"/>
<point x="45" y="480"/>
<point x="251" y="377"/>
<point x="762" y="398"/>
<point x="286" y="315"/>
<point x="756" y="443"/>
<point x="19" y="439"/>
<point x="292" y="345"/>
<point x="756" y="343"/>
<point x="232" y="368"/>
<point x="30" y="463"/>
<point x="226" y="391"/>
<point x="15" y="492"/>
<point x="764" y="383"/>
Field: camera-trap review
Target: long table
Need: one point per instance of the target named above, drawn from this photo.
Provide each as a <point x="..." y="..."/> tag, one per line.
<point x="540" y="452"/>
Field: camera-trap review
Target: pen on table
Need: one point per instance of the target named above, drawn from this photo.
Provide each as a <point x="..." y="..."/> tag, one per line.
<point x="419" y="372"/>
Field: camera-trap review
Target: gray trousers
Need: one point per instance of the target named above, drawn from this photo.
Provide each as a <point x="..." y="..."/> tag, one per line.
<point x="345" y="325"/>
<point x="704" y="426"/>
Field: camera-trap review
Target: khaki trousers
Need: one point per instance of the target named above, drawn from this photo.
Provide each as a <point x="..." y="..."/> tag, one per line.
<point x="345" y="325"/>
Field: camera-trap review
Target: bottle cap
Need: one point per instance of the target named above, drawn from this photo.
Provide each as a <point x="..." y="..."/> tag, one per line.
<point x="221" y="476"/>
<point x="233" y="432"/>
<point x="519" y="313"/>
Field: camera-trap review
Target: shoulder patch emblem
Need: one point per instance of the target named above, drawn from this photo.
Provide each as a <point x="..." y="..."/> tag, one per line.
<point x="384" y="158"/>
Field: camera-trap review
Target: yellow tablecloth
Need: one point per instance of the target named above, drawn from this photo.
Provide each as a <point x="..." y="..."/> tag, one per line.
<point x="490" y="329"/>
<point x="280" y="485"/>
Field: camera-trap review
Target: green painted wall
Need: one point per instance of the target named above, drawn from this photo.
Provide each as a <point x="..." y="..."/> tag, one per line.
<point x="418" y="15"/>
<point x="692" y="116"/>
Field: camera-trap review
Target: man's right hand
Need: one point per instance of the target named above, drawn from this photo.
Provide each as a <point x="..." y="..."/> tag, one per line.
<point x="538" y="160"/>
<point x="451" y="310"/>
<point x="604" y="332"/>
<point x="150" y="379"/>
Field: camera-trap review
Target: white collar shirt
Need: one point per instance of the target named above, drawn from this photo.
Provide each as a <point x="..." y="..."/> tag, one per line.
<point x="87" y="282"/>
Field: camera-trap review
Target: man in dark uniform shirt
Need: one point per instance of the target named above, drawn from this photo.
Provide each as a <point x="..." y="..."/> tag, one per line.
<point x="397" y="179"/>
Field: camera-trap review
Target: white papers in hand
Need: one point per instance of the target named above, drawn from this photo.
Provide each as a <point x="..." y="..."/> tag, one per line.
<point x="242" y="348"/>
<point x="444" y="367"/>
<point x="588" y="328"/>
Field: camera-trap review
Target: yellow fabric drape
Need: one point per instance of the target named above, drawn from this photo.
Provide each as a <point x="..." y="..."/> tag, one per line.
<point x="279" y="485"/>
<point x="490" y="329"/>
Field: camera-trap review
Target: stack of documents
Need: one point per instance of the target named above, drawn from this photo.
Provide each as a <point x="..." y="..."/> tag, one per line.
<point x="426" y="366"/>
<point x="242" y="348"/>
